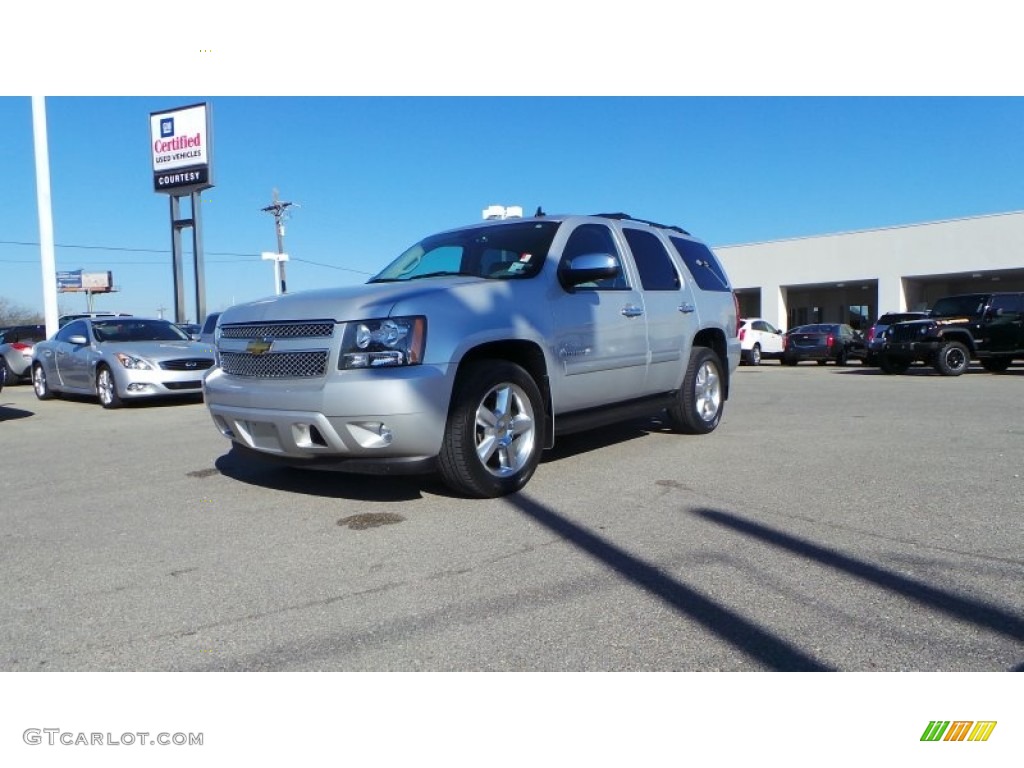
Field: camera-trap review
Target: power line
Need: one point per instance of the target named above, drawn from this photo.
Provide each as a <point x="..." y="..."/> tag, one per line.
<point x="125" y="249"/>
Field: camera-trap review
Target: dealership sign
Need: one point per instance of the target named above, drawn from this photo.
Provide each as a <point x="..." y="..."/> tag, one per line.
<point x="180" y="149"/>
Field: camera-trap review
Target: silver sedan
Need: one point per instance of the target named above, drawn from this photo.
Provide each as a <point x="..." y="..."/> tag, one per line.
<point x="119" y="359"/>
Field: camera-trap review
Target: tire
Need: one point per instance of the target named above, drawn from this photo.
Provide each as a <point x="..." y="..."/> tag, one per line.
<point x="40" y="384"/>
<point x="789" y="361"/>
<point x="894" y="365"/>
<point x="755" y="355"/>
<point x="7" y="376"/>
<point x="698" y="408"/>
<point x="106" y="388"/>
<point x="494" y="436"/>
<point x="841" y="357"/>
<point x="952" y="359"/>
<point x="996" y="364"/>
<point x="821" y="362"/>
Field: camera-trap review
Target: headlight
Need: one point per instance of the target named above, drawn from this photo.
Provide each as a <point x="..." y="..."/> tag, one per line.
<point x="135" y="363"/>
<point x="384" y="342"/>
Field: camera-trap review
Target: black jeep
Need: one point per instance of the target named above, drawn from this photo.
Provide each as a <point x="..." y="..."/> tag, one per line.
<point x="987" y="327"/>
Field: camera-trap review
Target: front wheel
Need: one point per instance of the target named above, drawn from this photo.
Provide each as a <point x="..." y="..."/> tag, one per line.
<point x="39" y="383"/>
<point x="701" y="400"/>
<point x="106" y="388"/>
<point x="952" y="358"/>
<point x="493" y="439"/>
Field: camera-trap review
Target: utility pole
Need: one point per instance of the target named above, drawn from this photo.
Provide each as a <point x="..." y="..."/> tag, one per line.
<point x="278" y="209"/>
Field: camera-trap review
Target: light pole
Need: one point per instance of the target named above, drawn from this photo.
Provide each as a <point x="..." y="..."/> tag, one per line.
<point x="277" y="208"/>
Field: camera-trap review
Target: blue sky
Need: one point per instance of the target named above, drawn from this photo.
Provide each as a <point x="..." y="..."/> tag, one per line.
<point x="739" y="121"/>
<point x="371" y="175"/>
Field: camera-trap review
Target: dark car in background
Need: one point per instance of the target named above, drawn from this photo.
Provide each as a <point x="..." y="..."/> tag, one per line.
<point x="874" y="341"/>
<point x="16" y="345"/>
<point x="823" y="342"/>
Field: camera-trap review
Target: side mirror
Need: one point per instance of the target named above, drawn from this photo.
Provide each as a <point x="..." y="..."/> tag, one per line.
<point x="78" y="340"/>
<point x="588" y="268"/>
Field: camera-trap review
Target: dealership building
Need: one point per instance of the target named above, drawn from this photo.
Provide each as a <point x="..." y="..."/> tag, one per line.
<point x="853" y="277"/>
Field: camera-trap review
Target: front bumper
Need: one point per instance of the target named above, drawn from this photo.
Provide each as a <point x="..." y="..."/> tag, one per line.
<point x="347" y="419"/>
<point x="133" y="383"/>
<point x="917" y="350"/>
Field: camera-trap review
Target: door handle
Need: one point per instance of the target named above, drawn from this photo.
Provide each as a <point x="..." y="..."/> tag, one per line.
<point x="687" y="308"/>
<point x="631" y="311"/>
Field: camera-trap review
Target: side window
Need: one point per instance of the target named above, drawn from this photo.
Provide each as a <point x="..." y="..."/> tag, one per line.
<point x="761" y="325"/>
<point x="77" y="328"/>
<point x="1007" y="308"/>
<point x="594" y="238"/>
<point x="703" y="265"/>
<point x="652" y="261"/>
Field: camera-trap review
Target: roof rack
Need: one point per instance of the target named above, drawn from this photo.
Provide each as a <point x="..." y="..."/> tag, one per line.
<point x="627" y="217"/>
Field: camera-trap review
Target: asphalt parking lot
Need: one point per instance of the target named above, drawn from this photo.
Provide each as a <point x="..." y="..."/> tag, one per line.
<point x="838" y="519"/>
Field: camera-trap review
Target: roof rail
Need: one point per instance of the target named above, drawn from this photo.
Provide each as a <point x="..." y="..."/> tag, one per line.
<point x="627" y="217"/>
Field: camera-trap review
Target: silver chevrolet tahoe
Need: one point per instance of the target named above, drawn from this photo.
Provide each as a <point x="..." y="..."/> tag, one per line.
<point x="476" y="347"/>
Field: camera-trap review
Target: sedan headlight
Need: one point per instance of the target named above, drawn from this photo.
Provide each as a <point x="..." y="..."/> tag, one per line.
<point x="383" y="342"/>
<point x="134" y="363"/>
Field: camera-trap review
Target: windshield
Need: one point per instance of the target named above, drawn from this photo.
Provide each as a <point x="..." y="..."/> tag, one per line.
<point x="124" y="329"/>
<point x="498" y="252"/>
<point x="955" y="306"/>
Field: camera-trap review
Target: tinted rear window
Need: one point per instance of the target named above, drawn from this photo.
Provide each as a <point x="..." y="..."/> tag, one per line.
<point x="703" y="265"/>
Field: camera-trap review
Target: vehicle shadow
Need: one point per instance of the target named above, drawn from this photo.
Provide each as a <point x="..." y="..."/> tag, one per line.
<point x="925" y="370"/>
<point x="335" y="485"/>
<point x="567" y="446"/>
<point x="392" y="488"/>
<point x="9" y="413"/>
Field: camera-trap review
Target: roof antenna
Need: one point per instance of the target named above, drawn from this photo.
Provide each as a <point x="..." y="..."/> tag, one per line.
<point x="540" y="212"/>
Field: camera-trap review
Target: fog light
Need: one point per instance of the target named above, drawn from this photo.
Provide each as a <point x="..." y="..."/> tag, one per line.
<point x="371" y="434"/>
<point x="223" y="427"/>
<point x="137" y="387"/>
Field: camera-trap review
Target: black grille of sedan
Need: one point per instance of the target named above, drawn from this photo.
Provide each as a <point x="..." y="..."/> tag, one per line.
<point x="275" y="365"/>
<point x="307" y="330"/>
<point x="187" y="364"/>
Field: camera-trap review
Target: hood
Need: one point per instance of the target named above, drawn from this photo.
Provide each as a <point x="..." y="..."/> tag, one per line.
<point x="158" y="350"/>
<point x="341" y="304"/>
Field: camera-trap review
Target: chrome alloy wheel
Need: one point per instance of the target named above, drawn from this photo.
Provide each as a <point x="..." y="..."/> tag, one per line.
<point x="708" y="391"/>
<point x="105" y="387"/>
<point x="505" y="430"/>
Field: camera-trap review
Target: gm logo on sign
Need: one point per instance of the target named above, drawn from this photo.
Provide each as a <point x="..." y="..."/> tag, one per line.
<point x="958" y="730"/>
<point x="166" y="127"/>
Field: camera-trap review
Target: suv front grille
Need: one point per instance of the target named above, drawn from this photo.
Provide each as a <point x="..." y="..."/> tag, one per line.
<point x="275" y="365"/>
<point x="315" y="329"/>
<point x="902" y="332"/>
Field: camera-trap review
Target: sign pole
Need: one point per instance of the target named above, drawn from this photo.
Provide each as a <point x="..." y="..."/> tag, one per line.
<point x="179" y="280"/>
<point x="197" y="256"/>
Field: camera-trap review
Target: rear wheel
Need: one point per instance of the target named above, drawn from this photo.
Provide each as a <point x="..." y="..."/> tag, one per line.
<point x="39" y="383"/>
<point x="996" y="364"/>
<point x="106" y="388"/>
<point x="952" y="358"/>
<point x="493" y="440"/>
<point x="755" y="355"/>
<point x="698" y="407"/>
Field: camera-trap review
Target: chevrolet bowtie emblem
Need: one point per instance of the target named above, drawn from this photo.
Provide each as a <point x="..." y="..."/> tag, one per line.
<point x="259" y="346"/>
